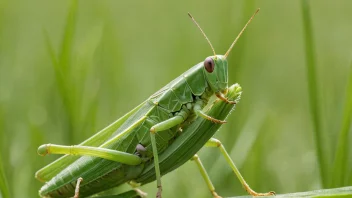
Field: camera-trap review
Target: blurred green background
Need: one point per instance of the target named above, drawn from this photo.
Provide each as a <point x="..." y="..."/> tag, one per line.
<point x="68" y="69"/>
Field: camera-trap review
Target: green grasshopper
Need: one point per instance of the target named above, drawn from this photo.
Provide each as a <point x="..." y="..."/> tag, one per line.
<point x="128" y="150"/>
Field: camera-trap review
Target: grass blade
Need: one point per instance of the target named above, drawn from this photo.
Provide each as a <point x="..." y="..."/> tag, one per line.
<point x="61" y="65"/>
<point x="239" y="51"/>
<point x="341" y="157"/>
<point x="128" y="194"/>
<point x="334" y="192"/>
<point x="4" y="190"/>
<point x="66" y="44"/>
<point x="314" y="102"/>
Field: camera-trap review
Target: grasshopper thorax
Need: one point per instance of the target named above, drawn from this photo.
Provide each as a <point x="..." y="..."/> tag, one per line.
<point x="216" y="72"/>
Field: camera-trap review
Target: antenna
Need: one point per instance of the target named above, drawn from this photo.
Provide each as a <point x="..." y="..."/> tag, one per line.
<point x="212" y="48"/>
<point x="239" y="35"/>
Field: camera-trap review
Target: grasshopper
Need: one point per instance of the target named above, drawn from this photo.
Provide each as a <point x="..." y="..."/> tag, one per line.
<point x="128" y="150"/>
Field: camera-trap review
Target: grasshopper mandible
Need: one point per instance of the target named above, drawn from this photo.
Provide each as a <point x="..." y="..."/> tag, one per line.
<point x="128" y="150"/>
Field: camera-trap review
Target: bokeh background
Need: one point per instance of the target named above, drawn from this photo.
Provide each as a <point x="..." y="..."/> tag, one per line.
<point x="69" y="68"/>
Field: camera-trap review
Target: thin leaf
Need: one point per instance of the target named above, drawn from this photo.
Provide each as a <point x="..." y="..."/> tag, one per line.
<point x="334" y="192"/>
<point x="341" y="157"/>
<point x="62" y="68"/>
<point x="128" y="194"/>
<point x="66" y="45"/>
<point x="4" y="190"/>
<point x="314" y="102"/>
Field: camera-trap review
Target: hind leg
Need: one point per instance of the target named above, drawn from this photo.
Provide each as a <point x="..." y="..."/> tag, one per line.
<point x="205" y="176"/>
<point x="216" y="143"/>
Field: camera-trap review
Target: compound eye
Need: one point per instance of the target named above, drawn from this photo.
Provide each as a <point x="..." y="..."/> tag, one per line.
<point x="209" y="65"/>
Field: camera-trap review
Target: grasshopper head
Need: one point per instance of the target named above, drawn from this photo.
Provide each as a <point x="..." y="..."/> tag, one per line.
<point x="215" y="67"/>
<point x="216" y="72"/>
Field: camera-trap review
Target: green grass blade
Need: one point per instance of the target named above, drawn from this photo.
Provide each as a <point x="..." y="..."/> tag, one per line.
<point x="4" y="190"/>
<point x="239" y="52"/>
<point x="66" y="45"/>
<point x="334" y="192"/>
<point x="58" y="73"/>
<point x="314" y="102"/>
<point x="128" y="194"/>
<point x="341" y="157"/>
<point x="63" y="71"/>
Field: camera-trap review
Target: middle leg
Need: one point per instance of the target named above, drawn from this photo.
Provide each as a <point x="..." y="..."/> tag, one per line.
<point x="167" y="124"/>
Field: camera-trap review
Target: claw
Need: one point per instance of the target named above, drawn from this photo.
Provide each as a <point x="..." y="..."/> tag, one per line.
<point x="141" y="193"/>
<point x="255" y="194"/>
<point x="215" y="195"/>
<point x="205" y="116"/>
<point x="216" y="120"/>
<point x="221" y="97"/>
